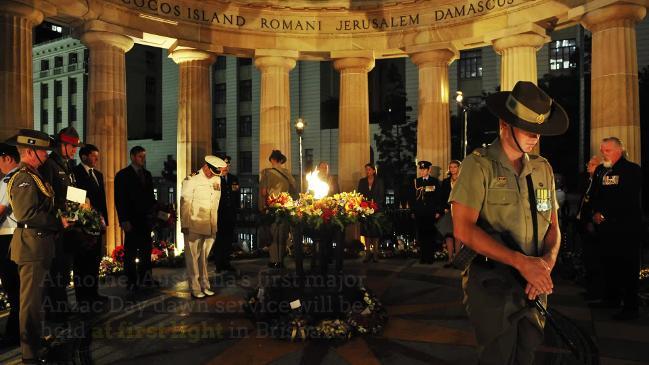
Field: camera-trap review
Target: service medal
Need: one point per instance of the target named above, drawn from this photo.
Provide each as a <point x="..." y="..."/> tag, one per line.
<point x="543" y="200"/>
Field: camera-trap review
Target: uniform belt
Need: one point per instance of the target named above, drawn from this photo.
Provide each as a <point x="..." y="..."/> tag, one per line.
<point x="23" y="225"/>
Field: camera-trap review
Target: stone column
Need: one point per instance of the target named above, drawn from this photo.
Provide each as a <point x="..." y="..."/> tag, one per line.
<point x="353" y="128"/>
<point x="275" y="104"/>
<point x="106" y="123"/>
<point x="518" y="58"/>
<point x="518" y="61"/>
<point x="16" y="77"/>
<point x="615" y="108"/>
<point x="194" y="139"/>
<point x="433" y="119"/>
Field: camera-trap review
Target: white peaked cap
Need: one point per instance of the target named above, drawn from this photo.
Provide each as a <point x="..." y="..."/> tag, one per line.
<point x="215" y="162"/>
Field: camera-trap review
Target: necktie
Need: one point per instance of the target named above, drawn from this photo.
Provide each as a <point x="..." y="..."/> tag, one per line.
<point x="92" y="175"/>
<point x="140" y="174"/>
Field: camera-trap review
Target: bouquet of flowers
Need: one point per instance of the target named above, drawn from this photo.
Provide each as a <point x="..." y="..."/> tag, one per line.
<point x="316" y="213"/>
<point x="371" y="319"/>
<point x="359" y="209"/>
<point x="162" y="249"/>
<point x="118" y="254"/>
<point x="333" y="329"/>
<point x="280" y="207"/>
<point x="88" y="220"/>
<point x="109" y="266"/>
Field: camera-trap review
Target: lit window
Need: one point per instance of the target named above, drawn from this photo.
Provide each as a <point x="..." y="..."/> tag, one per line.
<point x="245" y="197"/>
<point x="470" y="64"/>
<point x="57" y="28"/>
<point x="563" y="54"/>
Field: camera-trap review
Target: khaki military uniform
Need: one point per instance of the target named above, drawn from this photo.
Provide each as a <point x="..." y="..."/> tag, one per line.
<point x="507" y="330"/>
<point x="32" y="249"/>
<point x="276" y="181"/>
<point x="199" y="204"/>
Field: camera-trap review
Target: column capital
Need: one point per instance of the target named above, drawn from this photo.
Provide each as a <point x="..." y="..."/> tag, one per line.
<point x="191" y="54"/>
<point x="533" y="40"/>
<point x="93" y="38"/>
<point x="363" y="61"/>
<point x="608" y="16"/>
<point x="263" y="62"/>
<point x="35" y="16"/>
<point x="434" y="56"/>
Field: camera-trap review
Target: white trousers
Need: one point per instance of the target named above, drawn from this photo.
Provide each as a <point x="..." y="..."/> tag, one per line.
<point x="197" y="248"/>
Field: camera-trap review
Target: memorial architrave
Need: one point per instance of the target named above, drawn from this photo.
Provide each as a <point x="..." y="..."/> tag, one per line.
<point x="277" y="33"/>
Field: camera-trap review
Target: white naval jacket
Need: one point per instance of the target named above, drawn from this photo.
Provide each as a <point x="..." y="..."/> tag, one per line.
<point x="199" y="203"/>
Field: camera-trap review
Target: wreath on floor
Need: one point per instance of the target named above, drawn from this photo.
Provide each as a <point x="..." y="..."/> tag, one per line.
<point x="332" y="313"/>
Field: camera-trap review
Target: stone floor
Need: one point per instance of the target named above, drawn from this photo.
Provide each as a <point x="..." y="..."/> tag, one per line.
<point x="427" y="324"/>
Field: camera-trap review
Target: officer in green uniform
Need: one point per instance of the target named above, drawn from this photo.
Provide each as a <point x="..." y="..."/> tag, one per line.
<point x="504" y="194"/>
<point x="274" y="180"/>
<point x="32" y="245"/>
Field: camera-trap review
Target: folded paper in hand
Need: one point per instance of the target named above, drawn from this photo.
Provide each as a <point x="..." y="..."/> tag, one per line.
<point x="76" y="195"/>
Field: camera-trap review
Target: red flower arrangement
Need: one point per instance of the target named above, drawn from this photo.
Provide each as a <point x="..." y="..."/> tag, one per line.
<point x="118" y="254"/>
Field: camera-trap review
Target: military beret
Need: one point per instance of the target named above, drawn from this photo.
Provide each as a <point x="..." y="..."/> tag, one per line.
<point x="424" y="164"/>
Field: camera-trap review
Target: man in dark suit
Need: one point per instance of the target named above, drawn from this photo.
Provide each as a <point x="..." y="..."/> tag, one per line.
<point x="227" y="217"/>
<point x="88" y="256"/>
<point x="135" y="204"/>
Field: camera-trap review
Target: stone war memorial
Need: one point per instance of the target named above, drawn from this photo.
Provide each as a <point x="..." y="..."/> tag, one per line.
<point x="395" y="312"/>
<point x="351" y="33"/>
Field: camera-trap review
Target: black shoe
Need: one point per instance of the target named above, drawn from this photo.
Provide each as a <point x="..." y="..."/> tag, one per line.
<point x="626" y="314"/>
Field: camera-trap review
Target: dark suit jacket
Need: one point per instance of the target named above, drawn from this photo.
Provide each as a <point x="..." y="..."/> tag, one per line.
<point x="95" y="193"/>
<point x="134" y="201"/>
<point x="377" y="193"/>
<point x="230" y="198"/>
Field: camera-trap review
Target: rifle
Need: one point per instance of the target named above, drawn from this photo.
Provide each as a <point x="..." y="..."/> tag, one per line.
<point x="466" y="255"/>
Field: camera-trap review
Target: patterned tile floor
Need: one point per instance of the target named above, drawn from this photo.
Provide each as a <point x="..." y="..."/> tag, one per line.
<point x="427" y="323"/>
